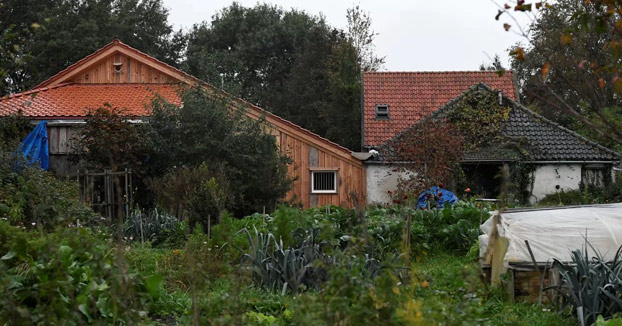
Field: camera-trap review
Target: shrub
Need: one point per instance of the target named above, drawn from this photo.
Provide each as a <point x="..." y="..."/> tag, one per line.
<point x="214" y="131"/>
<point x="590" y="195"/>
<point x="108" y="140"/>
<point x="35" y="198"/>
<point x="198" y="193"/>
<point x="454" y="228"/>
<point x="352" y="297"/>
<point x="67" y="277"/>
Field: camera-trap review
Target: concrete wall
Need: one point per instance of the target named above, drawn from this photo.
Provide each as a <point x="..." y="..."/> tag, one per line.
<point x="380" y="179"/>
<point x="547" y="177"/>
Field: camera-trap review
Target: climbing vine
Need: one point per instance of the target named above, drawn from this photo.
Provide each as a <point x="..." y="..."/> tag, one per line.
<point x="433" y="149"/>
<point x="479" y="118"/>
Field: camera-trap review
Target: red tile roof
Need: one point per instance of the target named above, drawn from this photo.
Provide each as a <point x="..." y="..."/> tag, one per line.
<point x="413" y="95"/>
<point x="67" y="101"/>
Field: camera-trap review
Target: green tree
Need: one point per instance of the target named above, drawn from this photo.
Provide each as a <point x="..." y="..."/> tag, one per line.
<point x="109" y="141"/>
<point x="41" y="38"/>
<point x="210" y="131"/>
<point x="288" y="62"/>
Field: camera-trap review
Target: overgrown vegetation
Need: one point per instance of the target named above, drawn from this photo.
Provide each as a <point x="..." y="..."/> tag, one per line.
<point x="433" y="149"/>
<point x="193" y="161"/>
<point x="391" y="265"/>
<point x="320" y="266"/>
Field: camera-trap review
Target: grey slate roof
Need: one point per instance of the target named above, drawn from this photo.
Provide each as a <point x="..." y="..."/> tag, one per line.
<point x="546" y="140"/>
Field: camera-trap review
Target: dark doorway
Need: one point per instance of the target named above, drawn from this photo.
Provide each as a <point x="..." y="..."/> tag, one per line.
<point x="484" y="179"/>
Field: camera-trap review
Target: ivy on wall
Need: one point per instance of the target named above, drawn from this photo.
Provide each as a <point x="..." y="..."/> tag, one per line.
<point x="479" y="119"/>
<point x="435" y="147"/>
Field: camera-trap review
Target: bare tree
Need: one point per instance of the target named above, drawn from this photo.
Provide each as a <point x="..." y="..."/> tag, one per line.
<point x="362" y="37"/>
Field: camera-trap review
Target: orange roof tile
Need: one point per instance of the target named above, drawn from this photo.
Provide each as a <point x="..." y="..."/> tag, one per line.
<point x="66" y="101"/>
<point x="413" y="95"/>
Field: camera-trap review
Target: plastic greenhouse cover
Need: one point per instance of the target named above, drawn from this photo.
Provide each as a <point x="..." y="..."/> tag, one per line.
<point x="554" y="233"/>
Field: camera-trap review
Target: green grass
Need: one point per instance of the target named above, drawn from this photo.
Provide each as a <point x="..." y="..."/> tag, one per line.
<point x="454" y="294"/>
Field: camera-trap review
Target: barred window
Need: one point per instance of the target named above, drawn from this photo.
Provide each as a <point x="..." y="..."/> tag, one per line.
<point x="323" y="182"/>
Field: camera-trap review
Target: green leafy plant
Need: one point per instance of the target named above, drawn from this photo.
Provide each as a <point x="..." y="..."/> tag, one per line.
<point x="611" y="193"/>
<point x="277" y="267"/>
<point x="591" y="287"/>
<point x="68" y="276"/>
<point x="34" y="198"/>
<point x="156" y="226"/>
<point x="616" y="321"/>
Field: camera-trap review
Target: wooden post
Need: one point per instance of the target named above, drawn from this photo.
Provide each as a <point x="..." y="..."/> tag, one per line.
<point x="505" y="183"/>
<point x="408" y="226"/>
<point x="126" y="202"/>
<point x="108" y="190"/>
<point x="130" y="193"/>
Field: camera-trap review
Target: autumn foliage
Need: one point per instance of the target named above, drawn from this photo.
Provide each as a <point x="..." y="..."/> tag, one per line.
<point x="431" y="152"/>
<point x="571" y="62"/>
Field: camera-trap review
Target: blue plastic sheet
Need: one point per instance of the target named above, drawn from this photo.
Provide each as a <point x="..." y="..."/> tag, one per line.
<point x="34" y="148"/>
<point x="444" y="196"/>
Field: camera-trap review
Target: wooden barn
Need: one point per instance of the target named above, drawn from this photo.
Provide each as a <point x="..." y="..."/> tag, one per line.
<point x="123" y="77"/>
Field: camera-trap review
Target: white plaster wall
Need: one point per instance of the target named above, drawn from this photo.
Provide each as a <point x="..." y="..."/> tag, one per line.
<point x="381" y="179"/>
<point x="548" y="176"/>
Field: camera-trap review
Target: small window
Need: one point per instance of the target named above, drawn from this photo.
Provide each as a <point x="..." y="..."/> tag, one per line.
<point x="382" y="111"/>
<point x="323" y="182"/>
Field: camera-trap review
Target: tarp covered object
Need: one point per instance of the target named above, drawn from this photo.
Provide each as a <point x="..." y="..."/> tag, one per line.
<point x="554" y="233"/>
<point x="35" y="147"/>
<point x="447" y="197"/>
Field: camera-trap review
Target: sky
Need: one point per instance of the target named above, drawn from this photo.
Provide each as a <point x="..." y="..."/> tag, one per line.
<point x="413" y="35"/>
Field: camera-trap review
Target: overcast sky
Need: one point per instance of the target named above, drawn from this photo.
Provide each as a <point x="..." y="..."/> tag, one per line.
<point x="414" y="35"/>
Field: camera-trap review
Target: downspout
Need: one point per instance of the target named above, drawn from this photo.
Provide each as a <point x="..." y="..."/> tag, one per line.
<point x="362" y="112"/>
<point x="516" y="92"/>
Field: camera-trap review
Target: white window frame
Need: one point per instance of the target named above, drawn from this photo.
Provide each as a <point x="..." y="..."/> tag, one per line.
<point x="334" y="171"/>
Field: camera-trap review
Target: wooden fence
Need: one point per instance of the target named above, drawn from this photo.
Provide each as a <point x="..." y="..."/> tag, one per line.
<point x="107" y="193"/>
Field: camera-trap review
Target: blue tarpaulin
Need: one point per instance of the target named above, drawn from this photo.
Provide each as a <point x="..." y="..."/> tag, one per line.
<point x="35" y="147"/>
<point x="444" y="196"/>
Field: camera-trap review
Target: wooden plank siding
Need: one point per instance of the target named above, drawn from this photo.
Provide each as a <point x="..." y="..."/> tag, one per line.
<point x="306" y="156"/>
<point x="60" y="139"/>
<point x="131" y="71"/>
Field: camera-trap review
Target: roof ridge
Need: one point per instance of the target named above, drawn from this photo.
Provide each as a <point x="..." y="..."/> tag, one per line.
<point x="434" y="72"/>
<point x="114" y="42"/>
